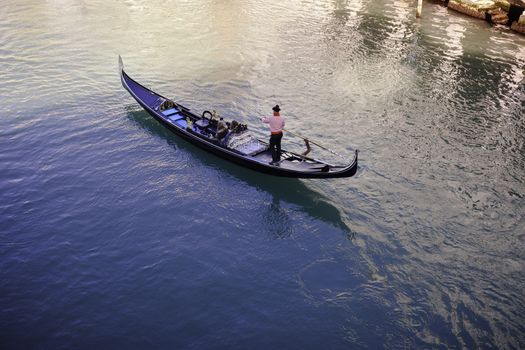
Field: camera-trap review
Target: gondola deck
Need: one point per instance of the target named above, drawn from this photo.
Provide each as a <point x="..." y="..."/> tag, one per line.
<point x="238" y="146"/>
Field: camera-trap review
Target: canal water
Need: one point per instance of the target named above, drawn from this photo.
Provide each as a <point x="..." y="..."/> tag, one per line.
<point x="115" y="234"/>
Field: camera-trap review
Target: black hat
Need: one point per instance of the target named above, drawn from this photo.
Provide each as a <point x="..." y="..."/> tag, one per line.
<point x="276" y="108"/>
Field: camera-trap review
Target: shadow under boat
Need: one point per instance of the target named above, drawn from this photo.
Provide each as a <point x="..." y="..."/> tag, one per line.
<point x="289" y="190"/>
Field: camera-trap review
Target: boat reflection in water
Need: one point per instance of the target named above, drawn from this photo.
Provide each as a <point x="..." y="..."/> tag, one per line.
<point x="282" y="190"/>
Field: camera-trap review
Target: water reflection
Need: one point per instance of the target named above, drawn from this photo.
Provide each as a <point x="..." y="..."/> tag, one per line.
<point x="293" y="191"/>
<point x="346" y="14"/>
<point x="456" y="129"/>
<point x="455" y="34"/>
<point x="277" y="220"/>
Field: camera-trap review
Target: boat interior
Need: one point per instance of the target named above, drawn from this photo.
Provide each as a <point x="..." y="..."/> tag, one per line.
<point x="238" y="138"/>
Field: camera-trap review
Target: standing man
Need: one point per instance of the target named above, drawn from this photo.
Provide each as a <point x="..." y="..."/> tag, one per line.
<point x="276" y="129"/>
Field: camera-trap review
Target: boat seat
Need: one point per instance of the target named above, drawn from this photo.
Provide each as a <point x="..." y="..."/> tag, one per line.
<point x="181" y="122"/>
<point x="202" y="123"/>
<point x="170" y="111"/>
<point x="175" y="117"/>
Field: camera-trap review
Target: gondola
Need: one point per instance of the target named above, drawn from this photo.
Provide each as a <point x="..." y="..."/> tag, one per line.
<point x="238" y="146"/>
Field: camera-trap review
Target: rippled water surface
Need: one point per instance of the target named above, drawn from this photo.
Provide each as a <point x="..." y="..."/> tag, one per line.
<point x="116" y="234"/>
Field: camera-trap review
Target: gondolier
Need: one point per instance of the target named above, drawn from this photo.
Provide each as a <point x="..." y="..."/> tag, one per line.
<point x="276" y="123"/>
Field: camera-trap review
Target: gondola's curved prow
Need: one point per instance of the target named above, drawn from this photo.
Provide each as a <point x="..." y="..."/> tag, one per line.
<point x="142" y="94"/>
<point x="200" y="132"/>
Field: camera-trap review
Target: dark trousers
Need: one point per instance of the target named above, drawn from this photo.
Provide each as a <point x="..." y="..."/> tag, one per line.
<point x="275" y="146"/>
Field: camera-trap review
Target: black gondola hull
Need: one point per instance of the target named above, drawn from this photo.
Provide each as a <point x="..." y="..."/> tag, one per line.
<point x="145" y="96"/>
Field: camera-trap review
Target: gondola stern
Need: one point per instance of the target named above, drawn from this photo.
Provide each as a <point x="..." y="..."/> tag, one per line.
<point x="355" y="164"/>
<point x="351" y="169"/>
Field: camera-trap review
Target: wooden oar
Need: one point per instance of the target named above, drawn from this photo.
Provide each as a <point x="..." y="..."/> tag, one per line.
<point x="314" y="142"/>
